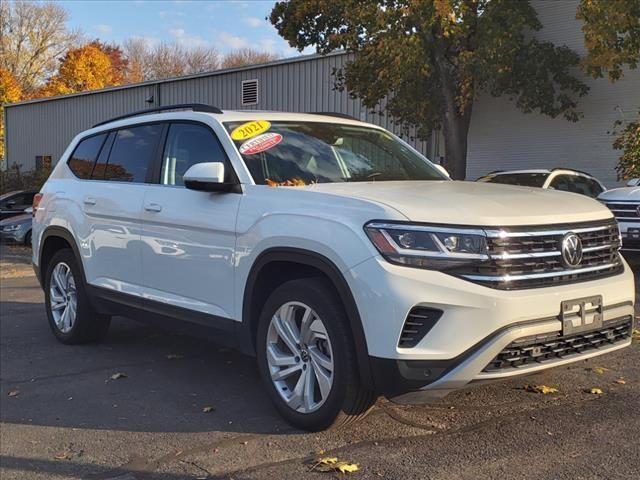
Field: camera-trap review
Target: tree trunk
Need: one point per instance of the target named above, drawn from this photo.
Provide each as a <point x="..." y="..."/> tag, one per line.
<point x="455" y="128"/>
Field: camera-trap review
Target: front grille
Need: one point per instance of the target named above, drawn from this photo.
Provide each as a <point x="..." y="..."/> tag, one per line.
<point x="625" y="211"/>
<point x="540" y="349"/>
<point x="418" y="323"/>
<point x="531" y="257"/>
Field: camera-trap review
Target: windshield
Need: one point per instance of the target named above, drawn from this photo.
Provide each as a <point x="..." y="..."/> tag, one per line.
<point x="301" y="153"/>
<point x="523" y="179"/>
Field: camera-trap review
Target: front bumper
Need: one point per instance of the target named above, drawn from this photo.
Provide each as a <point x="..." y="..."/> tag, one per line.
<point x="477" y="324"/>
<point x="15" y="236"/>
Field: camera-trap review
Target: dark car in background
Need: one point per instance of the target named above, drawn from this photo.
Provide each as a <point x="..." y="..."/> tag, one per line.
<point x="15" y="203"/>
<point x="564" y="179"/>
<point x="16" y="229"/>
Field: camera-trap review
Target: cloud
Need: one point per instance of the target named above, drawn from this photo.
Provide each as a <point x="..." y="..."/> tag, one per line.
<point x="230" y="41"/>
<point x="103" y="28"/>
<point x="170" y="14"/>
<point x="183" y="38"/>
<point x="150" y="42"/>
<point x="253" y="22"/>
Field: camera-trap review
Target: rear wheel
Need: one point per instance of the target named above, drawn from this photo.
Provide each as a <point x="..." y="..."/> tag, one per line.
<point x="305" y="357"/>
<point x="71" y="317"/>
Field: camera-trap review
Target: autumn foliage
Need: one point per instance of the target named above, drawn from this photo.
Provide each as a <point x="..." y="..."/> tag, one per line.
<point x="89" y="67"/>
<point x="10" y="92"/>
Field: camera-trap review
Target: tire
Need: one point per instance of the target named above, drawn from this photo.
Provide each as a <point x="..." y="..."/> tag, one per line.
<point x="88" y="325"/>
<point x="347" y="399"/>
<point x="27" y="239"/>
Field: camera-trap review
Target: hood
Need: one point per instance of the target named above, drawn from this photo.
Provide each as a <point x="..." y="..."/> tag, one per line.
<point x="473" y="203"/>
<point x="621" y="194"/>
<point x="22" y="218"/>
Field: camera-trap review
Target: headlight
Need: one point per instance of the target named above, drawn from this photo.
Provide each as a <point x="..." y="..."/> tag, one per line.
<point x="427" y="246"/>
<point x="11" y="228"/>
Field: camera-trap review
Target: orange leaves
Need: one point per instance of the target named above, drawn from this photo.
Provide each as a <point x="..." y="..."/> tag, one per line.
<point x="292" y="182"/>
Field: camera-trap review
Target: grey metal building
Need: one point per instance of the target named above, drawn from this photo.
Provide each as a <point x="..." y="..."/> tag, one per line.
<point x="38" y="131"/>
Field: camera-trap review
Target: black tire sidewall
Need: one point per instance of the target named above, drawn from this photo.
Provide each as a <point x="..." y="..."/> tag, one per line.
<point x="325" y="303"/>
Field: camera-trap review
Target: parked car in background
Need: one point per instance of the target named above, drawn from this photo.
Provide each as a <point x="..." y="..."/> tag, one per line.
<point x="625" y="205"/>
<point x="16" y="229"/>
<point x="15" y="203"/>
<point x="330" y="249"/>
<point x="563" y="179"/>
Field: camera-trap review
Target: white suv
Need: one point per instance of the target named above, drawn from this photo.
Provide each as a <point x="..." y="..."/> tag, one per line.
<point x="625" y="205"/>
<point x="344" y="260"/>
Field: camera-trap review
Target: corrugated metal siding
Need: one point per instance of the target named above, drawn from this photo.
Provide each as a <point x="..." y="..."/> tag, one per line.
<point x="502" y="138"/>
<point x="45" y="128"/>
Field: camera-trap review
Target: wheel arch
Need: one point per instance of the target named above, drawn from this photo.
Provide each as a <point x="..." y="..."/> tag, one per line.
<point x="53" y="239"/>
<point x="306" y="263"/>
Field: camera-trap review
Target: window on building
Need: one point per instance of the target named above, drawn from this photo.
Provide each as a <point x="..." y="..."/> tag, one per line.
<point x="132" y="153"/>
<point x="188" y="144"/>
<point x="43" y="162"/>
<point x="84" y="156"/>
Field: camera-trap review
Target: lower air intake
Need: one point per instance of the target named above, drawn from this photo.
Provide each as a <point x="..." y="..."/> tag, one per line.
<point x="418" y="323"/>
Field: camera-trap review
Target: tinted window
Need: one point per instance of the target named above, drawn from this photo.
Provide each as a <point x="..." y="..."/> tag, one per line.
<point x="101" y="163"/>
<point x="315" y="152"/>
<point x="132" y="153"/>
<point x="188" y="144"/>
<point x="522" y="179"/>
<point x="587" y="186"/>
<point x="84" y="156"/>
<point x="18" y="202"/>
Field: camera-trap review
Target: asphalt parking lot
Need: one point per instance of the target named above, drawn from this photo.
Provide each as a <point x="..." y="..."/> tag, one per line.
<point x="66" y="413"/>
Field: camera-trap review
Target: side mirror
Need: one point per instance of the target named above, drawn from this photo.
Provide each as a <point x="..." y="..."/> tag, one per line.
<point x="634" y="182"/>
<point x="207" y="177"/>
<point x="442" y="170"/>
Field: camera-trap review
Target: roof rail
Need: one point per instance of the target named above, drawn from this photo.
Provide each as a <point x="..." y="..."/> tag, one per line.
<point x="196" y="107"/>
<point x="572" y="170"/>
<point x="335" y="114"/>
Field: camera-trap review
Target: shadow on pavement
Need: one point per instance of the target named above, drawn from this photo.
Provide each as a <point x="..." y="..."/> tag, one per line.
<point x="170" y="379"/>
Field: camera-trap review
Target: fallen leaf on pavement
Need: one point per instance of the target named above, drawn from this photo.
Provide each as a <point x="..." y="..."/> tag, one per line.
<point x="174" y="356"/>
<point x="118" y="375"/>
<point x="14" y="393"/>
<point x="208" y="409"/>
<point x="621" y="381"/>
<point x="63" y="456"/>
<point x="598" y="370"/>
<point x="332" y="464"/>
<point x="540" y="389"/>
<point x="636" y="335"/>
<point x="595" y="391"/>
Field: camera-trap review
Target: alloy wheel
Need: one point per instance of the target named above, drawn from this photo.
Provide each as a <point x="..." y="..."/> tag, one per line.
<point x="63" y="299"/>
<point x="300" y="357"/>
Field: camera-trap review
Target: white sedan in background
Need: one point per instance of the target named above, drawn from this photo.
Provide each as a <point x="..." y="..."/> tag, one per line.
<point x="563" y="179"/>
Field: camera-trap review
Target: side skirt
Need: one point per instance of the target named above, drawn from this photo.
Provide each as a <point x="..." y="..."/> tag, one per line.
<point x="169" y="317"/>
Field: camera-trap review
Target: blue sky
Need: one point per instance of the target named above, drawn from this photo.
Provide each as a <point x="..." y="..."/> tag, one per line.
<point x="224" y="25"/>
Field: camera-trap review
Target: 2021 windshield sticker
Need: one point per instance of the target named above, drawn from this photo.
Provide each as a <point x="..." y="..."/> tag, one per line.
<point x="260" y="143"/>
<point x="250" y="129"/>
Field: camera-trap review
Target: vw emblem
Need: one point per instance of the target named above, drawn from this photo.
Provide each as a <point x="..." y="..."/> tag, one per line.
<point x="571" y="249"/>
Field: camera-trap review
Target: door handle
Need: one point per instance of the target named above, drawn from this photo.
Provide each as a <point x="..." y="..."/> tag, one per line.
<point x="153" y="207"/>
<point x="89" y="201"/>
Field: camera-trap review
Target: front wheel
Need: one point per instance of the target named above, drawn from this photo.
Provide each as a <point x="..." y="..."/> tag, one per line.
<point x="305" y="357"/>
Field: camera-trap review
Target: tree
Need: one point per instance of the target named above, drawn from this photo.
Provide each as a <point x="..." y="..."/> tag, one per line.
<point x="32" y="38"/>
<point x="612" y="36"/>
<point x="425" y="61"/>
<point x="628" y="140"/>
<point x="10" y="92"/>
<point x="116" y="56"/>
<point x="166" y="60"/>
<point x="81" y="69"/>
<point x="247" y="56"/>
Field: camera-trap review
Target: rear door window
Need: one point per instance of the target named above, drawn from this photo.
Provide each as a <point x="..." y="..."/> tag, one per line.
<point x="132" y="153"/>
<point x="84" y="156"/>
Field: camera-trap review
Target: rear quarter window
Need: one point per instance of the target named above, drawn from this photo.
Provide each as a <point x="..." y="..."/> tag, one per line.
<point x="84" y="156"/>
